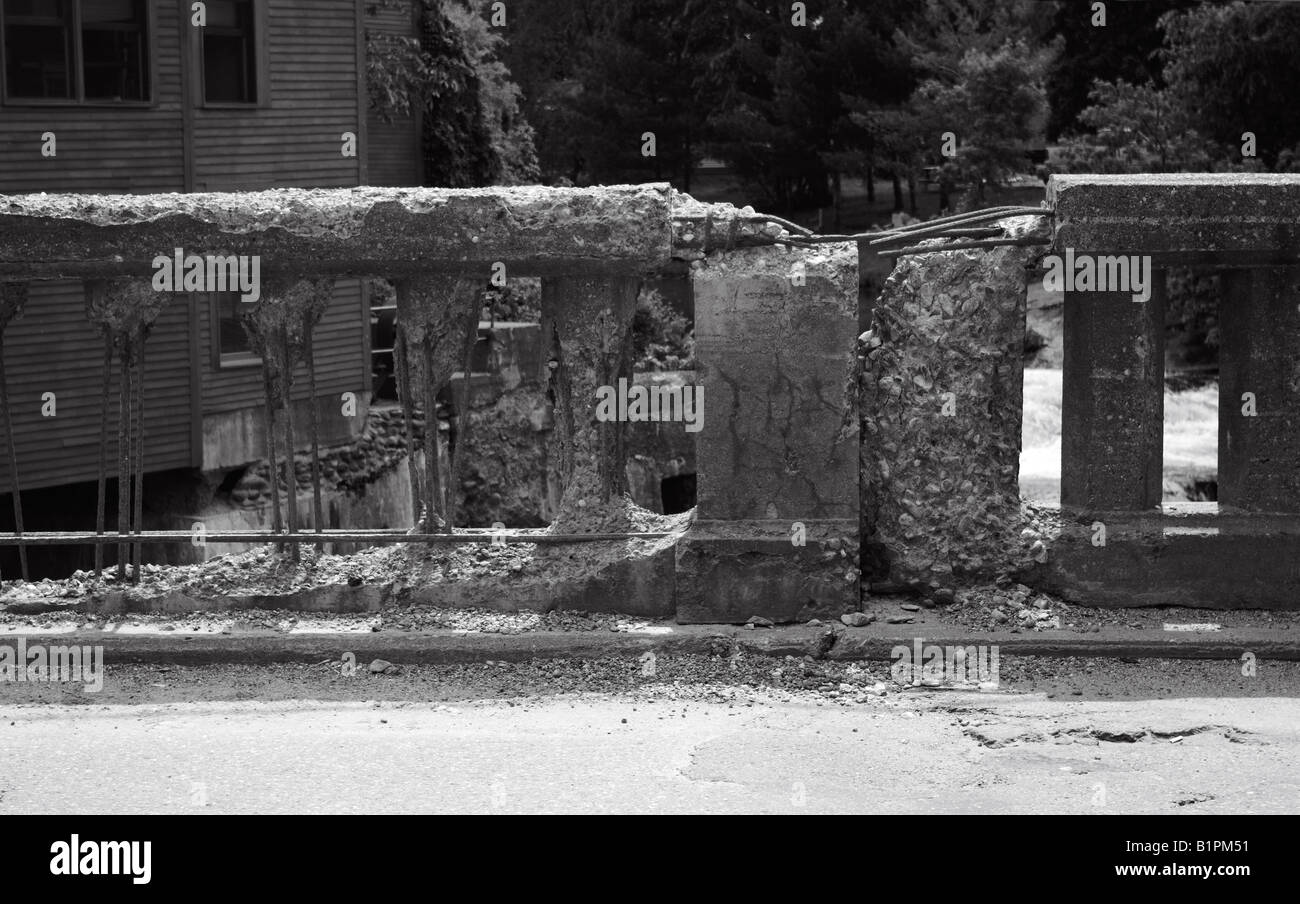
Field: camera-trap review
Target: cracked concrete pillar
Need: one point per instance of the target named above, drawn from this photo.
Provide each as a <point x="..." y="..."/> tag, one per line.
<point x="587" y="338"/>
<point x="1259" y="354"/>
<point x="777" y="454"/>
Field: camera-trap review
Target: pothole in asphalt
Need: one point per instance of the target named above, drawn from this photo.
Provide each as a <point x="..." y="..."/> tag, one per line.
<point x="1134" y="735"/>
<point x="1003" y="734"/>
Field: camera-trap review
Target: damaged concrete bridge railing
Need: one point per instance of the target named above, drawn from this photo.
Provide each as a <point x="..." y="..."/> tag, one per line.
<point x="776" y="443"/>
<point x="1120" y="545"/>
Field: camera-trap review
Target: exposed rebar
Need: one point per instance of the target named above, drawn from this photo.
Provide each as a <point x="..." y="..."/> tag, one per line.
<point x="401" y="363"/>
<point x="432" y="452"/>
<point x="1020" y="242"/>
<point x="138" y="430"/>
<point x="317" y="509"/>
<point x="290" y="471"/>
<point x="268" y="425"/>
<point x="14" y="490"/>
<point x="102" y="481"/>
<point x="123" y="458"/>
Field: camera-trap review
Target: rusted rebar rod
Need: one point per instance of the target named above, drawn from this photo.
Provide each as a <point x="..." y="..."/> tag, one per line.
<point x="1020" y="242"/>
<point x="455" y="450"/>
<point x="909" y="233"/>
<point x="268" y="427"/>
<point x="290" y="469"/>
<point x="432" y="453"/>
<point x="138" y="420"/>
<point x="123" y="457"/>
<point x="14" y="491"/>
<point x="401" y="361"/>
<point x="317" y="509"/>
<point x="87" y="538"/>
<point x="102" y="481"/>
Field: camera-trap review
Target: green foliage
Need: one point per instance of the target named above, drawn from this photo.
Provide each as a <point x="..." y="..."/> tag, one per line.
<point x="397" y="74"/>
<point x="662" y="339"/>
<point x="791" y="99"/>
<point x="519" y="300"/>
<point x="1125" y="49"/>
<point x="1135" y="129"/>
<point x="474" y="133"/>
<point x="510" y="135"/>
<point x="1192" y="308"/>
<point x="1234" y="67"/>
<point x="978" y="72"/>
<point x="996" y="105"/>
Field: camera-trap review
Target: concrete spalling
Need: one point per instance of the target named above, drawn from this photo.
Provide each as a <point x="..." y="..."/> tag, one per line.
<point x="941" y="395"/>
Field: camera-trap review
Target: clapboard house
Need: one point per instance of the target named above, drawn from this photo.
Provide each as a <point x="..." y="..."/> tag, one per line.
<point x="131" y="96"/>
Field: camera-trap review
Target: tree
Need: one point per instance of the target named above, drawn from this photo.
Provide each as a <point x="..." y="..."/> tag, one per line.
<point x="452" y="72"/>
<point x="632" y="110"/>
<point x="1235" y="67"/>
<point x="994" y="103"/>
<point x="1126" y="48"/>
<point x="1135" y="129"/>
<point x="510" y="135"/>
<point x="977" y="70"/>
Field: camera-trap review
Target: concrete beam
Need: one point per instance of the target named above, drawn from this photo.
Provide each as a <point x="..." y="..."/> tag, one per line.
<point x="1189" y="555"/>
<point x="1189" y="218"/>
<point x="382" y="231"/>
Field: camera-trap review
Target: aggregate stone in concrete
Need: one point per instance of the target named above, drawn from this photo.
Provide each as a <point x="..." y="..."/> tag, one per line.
<point x="941" y="411"/>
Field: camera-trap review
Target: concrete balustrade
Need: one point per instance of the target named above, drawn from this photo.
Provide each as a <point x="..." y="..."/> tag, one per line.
<point x="777" y="437"/>
<point x="1119" y="545"/>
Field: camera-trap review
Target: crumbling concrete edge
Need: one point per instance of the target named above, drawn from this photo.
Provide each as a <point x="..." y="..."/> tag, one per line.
<point x="456" y="648"/>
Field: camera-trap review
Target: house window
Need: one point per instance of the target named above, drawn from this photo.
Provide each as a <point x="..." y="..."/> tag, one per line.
<point x="38" y="49"/>
<point x="76" y="50"/>
<point x="229" y="53"/>
<point x="114" y="50"/>
<point x="232" y="346"/>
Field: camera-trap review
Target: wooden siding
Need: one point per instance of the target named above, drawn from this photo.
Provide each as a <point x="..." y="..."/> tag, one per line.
<point x="341" y="364"/>
<point x="124" y="148"/>
<point x="294" y="140"/>
<point x="394" y="156"/>
<point x="53" y="348"/>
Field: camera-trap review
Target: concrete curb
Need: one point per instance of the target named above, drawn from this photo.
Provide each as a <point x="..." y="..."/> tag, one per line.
<point x="450" y="647"/>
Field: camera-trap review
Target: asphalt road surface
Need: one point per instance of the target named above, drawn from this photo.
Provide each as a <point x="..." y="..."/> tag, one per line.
<point x="185" y="741"/>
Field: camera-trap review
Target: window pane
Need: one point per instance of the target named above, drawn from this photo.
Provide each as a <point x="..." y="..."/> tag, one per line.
<point x="114" y="49"/>
<point x="233" y="339"/>
<point x="36" y="41"/>
<point x="229" y="60"/>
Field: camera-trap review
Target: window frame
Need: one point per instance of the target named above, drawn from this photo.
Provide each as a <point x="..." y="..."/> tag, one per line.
<point x="261" y="67"/>
<point x="78" y="67"/>
<point x="225" y="360"/>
